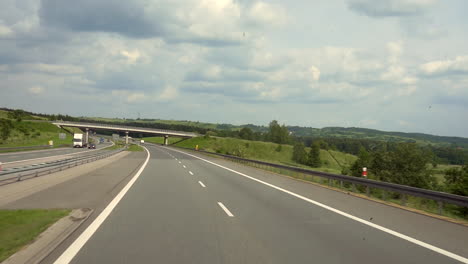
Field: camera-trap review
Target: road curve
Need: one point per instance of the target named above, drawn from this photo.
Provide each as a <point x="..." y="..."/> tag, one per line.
<point x="185" y="210"/>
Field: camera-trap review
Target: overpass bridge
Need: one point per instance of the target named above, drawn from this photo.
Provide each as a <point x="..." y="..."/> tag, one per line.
<point x="126" y="129"/>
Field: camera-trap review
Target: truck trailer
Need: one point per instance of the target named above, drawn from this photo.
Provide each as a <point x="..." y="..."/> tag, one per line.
<point x="78" y="141"/>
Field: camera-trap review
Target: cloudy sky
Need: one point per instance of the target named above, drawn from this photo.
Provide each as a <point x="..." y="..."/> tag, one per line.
<point x="399" y="65"/>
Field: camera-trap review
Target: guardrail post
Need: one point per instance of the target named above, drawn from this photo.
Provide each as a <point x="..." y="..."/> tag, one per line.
<point x="440" y="207"/>
<point x="19" y="177"/>
<point x="37" y="173"/>
<point x="368" y="191"/>
<point x="353" y="187"/>
<point x="384" y="195"/>
<point x="329" y="182"/>
<point x="341" y="184"/>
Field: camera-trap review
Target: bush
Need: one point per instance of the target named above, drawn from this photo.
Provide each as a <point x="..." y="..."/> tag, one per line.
<point x="279" y="148"/>
<point x="5" y="128"/>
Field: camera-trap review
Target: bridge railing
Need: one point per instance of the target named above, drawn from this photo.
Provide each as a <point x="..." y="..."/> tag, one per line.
<point x="126" y="128"/>
<point x="386" y="188"/>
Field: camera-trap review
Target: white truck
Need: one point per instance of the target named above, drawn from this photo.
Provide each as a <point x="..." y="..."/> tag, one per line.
<point x="78" y="141"/>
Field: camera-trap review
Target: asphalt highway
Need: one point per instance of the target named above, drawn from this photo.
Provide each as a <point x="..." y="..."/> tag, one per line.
<point x="182" y="209"/>
<point x="11" y="157"/>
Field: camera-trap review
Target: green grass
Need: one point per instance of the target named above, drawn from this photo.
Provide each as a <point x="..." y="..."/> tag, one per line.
<point x="3" y="114"/>
<point x="266" y="151"/>
<point x="134" y="147"/>
<point x="117" y="145"/>
<point x="38" y="133"/>
<point x="20" y="227"/>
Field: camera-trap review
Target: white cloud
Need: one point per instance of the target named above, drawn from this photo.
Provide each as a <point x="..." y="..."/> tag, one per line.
<point x="286" y="61"/>
<point x="315" y="72"/>
<point x="406" y="91"/>
<point x="267" y="14"/>
<point x="394" y="73"/>
<point x="459" y="65"/>
<point x="395" y="50"/>
<point x="36" y="90"/>
<point x="129" y="96"/>
<point x="4" y="30"/>
<point x="169" y="93"/>
<point x="57" y="69"/>
<point x="403" y="123"/>
<point x="390" y="8"/>
<point x="132" y="56"/>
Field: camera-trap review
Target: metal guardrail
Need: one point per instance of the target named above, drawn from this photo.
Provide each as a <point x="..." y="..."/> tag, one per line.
<point x="125" y="128"/>
<point x="17" y="174"/>
<point x="440" y="197"/>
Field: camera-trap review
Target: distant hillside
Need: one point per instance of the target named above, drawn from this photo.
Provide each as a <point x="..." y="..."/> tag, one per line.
<point x="326" y="132"/>
<point x="372" y="134"/>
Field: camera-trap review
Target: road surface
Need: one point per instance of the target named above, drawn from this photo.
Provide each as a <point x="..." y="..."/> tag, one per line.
<point x="11" y="157"/>
<point x="183" y="209"/>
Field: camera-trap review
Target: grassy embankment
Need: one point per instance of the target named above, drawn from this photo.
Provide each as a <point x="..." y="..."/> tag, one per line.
<point x="26" y="133"/>
<point x="332" y="161"/>
<point x="20" y="227"/>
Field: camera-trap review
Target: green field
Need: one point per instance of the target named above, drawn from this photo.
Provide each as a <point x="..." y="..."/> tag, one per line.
<point x="28" y="133"/>
<point x="266" y="151"/>
<point x="19" y="227"/>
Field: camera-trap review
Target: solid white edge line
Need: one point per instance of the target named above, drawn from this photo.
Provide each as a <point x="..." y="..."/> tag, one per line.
<point x="381" y="228"/>
<point x="191" y="173"/>
<point x="76" y="246"/>
<point x="201" y="183"/>
<point x="225" y="209"/>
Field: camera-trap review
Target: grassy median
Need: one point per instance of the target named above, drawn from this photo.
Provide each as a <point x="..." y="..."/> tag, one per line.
<point x="20" y="227"/>
<point x="134" y="147"/>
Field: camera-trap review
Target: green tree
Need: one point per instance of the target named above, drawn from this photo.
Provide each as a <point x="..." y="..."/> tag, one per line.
<point x="299" y="153"/>
<point x="278" y="134"/>
<point x="5" y="128"/>
<point x="313" y="159"/>
<point x="17" y="115"/>
<point x="246" y="133"/>
<point x="364" y="160"/>
<point x="456" y="181"/>
<point x="406" y="165"/>
<point x="410" y="166"/>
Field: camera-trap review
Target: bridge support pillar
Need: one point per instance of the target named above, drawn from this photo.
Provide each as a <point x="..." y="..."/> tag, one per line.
<point x="87" y="136"/>
<point x="166" y="137"/>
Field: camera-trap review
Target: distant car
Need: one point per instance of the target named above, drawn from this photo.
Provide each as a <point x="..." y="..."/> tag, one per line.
<point x="92" y="146"/>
